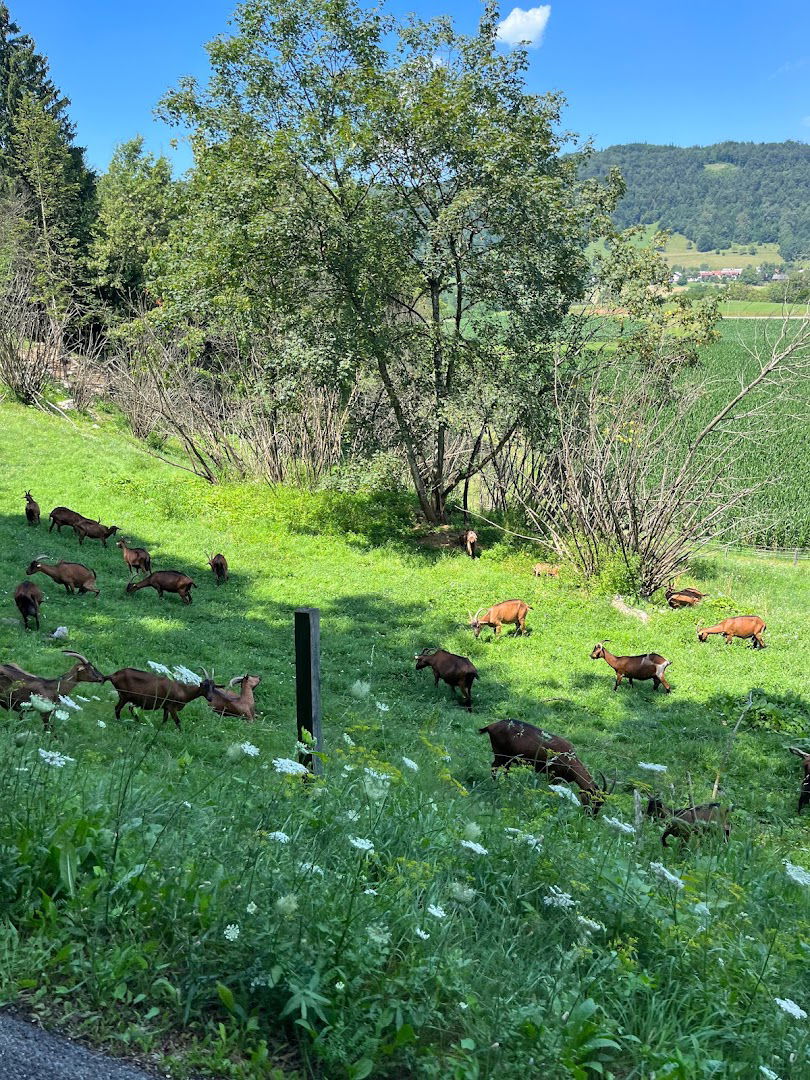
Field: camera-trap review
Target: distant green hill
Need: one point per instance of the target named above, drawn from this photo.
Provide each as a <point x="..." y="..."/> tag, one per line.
<point x="717" y="196"/>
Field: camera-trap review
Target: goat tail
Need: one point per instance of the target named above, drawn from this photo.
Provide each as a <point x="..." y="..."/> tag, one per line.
<point x="484" y="730"/>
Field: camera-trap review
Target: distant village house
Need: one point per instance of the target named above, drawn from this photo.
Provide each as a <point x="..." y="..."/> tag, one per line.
<point x="719" y="275"/>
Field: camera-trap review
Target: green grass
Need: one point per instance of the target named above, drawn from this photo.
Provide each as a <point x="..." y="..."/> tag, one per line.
<point x="120" y="872"/>
<point x="732" y="308"/>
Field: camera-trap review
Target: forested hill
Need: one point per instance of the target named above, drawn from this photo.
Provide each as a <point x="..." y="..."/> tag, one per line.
<point x="729" y="193"/>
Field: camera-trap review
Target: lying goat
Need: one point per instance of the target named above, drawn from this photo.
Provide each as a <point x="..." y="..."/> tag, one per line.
<point x="226" y="703"/>
<point x="457" y="671"/>
<point x="804" y="794"/>
<point x="513" y="740"/>
<point x="649" y="666"/>
<point x="171" y="581"/>
<point x="682" y="823"/>
<point x="499" y="615"/>
<point x="742" y="626"/>
<point x="28" y="597"/>
<point x="678" y="598"/>
<point x="17" y="686"/>
<point x="150" y="692"/>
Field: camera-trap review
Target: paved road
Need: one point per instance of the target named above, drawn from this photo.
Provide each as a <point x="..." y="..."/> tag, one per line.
<point x="29" y="1053"/>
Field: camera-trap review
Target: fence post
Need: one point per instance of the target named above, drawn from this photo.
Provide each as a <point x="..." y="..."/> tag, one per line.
<point x="796" y="557"/>
<point x="308" y="683"/>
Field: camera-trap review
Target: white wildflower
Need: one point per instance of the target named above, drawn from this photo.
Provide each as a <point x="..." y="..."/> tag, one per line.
<point x="463" y="1005"/>
<point x="71" y="704"/>
<point x="651" y="767"/>
<point x="589" y="925"/>
<point x="352" y="815"/>
<point x="348" y="739"/>
<point x="186" y="803"/>
<point x="478" y="849"/>
<point x="769" y="1074"/>
<point x="302" y="748"/>
<point x="311" y="868"/>
<point x="248" y="749"/>
<point x="423" y="934"/>
<point x="472" y="830"/>
<point x="340" y="987"/>
<point x="251" y="908"/>
<point x="186" y="675"/>
<point x="279" y="837"/>
<point x="25" y="705"/>
<point x="565" y="792"/>
<point x="378" y="934"/>
<point x="619" y="826"/>
<point x="287" y="905"/>
<point x="369" y="892"/>
<point x="382" y="706"/>
<point x="101" y="724"/>
<point x="161" y="669"/>
<point x="290" y="767"/>
<point x="557" y="898"/>
<point x="797" y="873"/>
<point x="791" y="1008"/>
<point x="231" y="931"/>
<point x="39" y="703"/>
<point x="361" y="844"/>
<point x="349" y="768"/>
<point x="702" y="909"/>
<point x="534" y="842"/>
<point x="53" y="757"/>
<point x="661" y="871"/>
<point x="376" y="783"/>
<point x="436" y="911"/>
<point x="465" y="894"/>
<point x="61" y="714"/>
<point x="360" y="689"/>
<point x="410" y="764"/>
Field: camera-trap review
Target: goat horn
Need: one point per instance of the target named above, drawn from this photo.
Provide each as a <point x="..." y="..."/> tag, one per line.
<point x="799" y="753"/>
<point x="236" y="679"/>
<point x="78" y="655"/>
<point x="604" y="781"/>
<point x="479" y="611"/>
<point x="613" y="785"/>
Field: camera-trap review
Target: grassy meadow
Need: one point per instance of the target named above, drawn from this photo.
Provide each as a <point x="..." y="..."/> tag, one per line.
<point x="177" y="897"/>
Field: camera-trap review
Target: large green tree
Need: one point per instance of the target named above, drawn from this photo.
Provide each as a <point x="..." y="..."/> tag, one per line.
<point x="391" y="192"/>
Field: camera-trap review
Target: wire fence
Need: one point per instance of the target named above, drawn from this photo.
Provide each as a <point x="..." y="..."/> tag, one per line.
<point x="794" y="554"/>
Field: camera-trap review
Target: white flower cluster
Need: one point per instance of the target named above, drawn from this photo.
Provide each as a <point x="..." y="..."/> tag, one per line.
<point x="557" y="898"/>
<point x="376" y="783"/>
<point x="378" y="934"/>
<point x="71" y="704"/>
<point x="287" y="905"/>
<point x="360" y="689"/>
<point x="410" y="764"/>
<point x="564" y="792"/>
<point x="471" y="845"/>
<point x="231" y="931"/>
<point x="311" y="868"/>
<point x="464" y="894"/>
<point x="791" y="1008"/>
<point x="797" y="873"/>
<point x="382" y="706"/>
<point x="361" y="844"/>
<point x="619" y="826"/>
<point x="249" y="750"/>
<point x="650" y="767"/>
<point x="661" y="872"/>
<point x="290" y="767"/>
<point x="279" y="837"/>
<point x="436" y="911"/>
<point x="590" y="926"/>
<point x="53" y="757"/>
<point x="179" y="673"/>
<point x="423" y="934"/>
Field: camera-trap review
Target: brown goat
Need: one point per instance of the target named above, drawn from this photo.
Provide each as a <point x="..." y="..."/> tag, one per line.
<point x="150" y="692"/>
<point x="219" y="568"/>
<point x="683" y="822"/>
<point x="17" y="685"/>
<point x="506" y="613"/>
<point x="678" y="598"/>
<point x="513" y="740"/>
<point x="742" y="626"/>
<point x="649" y="666"/>
<point x="469" y="541"/>
<point x="171" y="581"/>
<point x="545" y="569"/>
<point x="804" y="794"/>
<point x="28" y="597"/>
<point x="60" y="515"/>
<point x="74" y="576"/>
<point x="94" y="529"/>
<point x="457" y="671"/>
<point x="137" y="559"/>
<point x="31" y="509"/>
<point x="226" y="703"/>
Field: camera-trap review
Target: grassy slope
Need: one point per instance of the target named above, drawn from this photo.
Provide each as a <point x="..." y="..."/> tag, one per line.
<point x="380" y="603"/>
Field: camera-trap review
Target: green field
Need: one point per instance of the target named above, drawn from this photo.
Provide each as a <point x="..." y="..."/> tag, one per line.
<point x="737" y="308"/>
<point x="553" y="945"/>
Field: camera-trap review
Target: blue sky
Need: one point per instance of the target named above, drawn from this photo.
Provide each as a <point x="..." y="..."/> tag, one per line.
<point x="632" y="71"/>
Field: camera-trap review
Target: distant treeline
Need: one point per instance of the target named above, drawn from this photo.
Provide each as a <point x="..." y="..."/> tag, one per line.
<point x="729" y="193"/>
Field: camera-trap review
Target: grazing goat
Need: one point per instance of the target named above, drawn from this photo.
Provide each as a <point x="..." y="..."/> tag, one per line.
<point x="678" y="598"/>
<point x="150" y="692"/>
<point x="162" y="581"/>
<point x="457" y="671"/>
<point x="510" y="611"/>
<point x="219" y="568"/>
<point x="137" y="559"/>
<point x="94" y="529"/>
<point x="682" y="823"/>
<point x="469" y="541"/>
<point x="649" y="666"/>
<point x="226" y="703"/>
<point x="31" y="509"/>
<point x="60" y="515"/>
<point x="17" y="685"/>
<point x="514" y="741"/>
<point x="28" y="597"/>
<point x="70" y="574"/>
<point x="545" y="569"/>
<point x="804" y="794"/>
<point x="742" y="626"/>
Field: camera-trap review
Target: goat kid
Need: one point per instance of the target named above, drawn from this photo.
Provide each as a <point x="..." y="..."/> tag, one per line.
<point x="504" y="614"/>
<point x="649" y="666"/>
<point x="742" y="626"/>
<point x="74" y="576"/>
<point x="456" y="671"/>
<point x="32" y="511"/>
<point x="28" y="597"/>
<point x="682" y="823"/>
<point x="227" y="703"/>
<point x="170" y="581"/>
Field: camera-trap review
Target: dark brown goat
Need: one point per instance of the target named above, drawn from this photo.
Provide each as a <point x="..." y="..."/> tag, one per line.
<point x="469" y="541"/>
<point x="683" y="822"/>
<point x="512" y="741"/>
<point x="804" y="794"/>
<point x="171" y="581"/>
<point x="649" y="666"/>
<point x="60" y="515"/>
<point x="150" y="692"/>
<point x="94" y="529"/>
<point x="74" y="576"/>
<point x="219" y="568"/>
<point x="31" y="509"/>
<point x="678" y="598"/>
<point x="137" y="559"/>
<point x="17" y="685"/>
<point x="243" y="704"/>
<point x="28" y="597"/>
<point x="505" y="613"/>
<point x="742" y="626"/>
<point x="457" y="671"/>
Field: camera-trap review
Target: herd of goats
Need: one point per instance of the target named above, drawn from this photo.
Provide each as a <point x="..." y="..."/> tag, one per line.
<point x="512" y="741"/>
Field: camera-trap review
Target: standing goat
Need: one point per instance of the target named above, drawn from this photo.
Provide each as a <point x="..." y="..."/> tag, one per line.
<point x="137" y="559"/>
<point x="506" y="613"/>
<point x="513" y="740"/>
<point x="31" y="509"/>
<point x="171" y="581"/>
<point x="61" y="515"/>
<point x="649" y="666"/>
<point x="151" y="692"/>
<point x="219" y="568"/>
<point x="94" y="529"/>
<point x="683" y="822"/>
<point x="17" y="686"/>
<point x="804" y="794"/>
<point x="457" y="671"/>
<point x="469" y="541"/>
<point x="226" y="703"/>
<point x="28" y="597"/>
<point x="742" y="626"/>
<point x="72" y="575"/>
<point x="545" y="569"/>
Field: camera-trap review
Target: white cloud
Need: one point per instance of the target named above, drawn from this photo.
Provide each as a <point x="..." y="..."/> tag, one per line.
<point x="521" y="26"/>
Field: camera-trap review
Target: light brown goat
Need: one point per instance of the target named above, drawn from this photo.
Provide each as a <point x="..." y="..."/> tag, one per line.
<point x="31" y="509"/>
<point x="545" y="569"/>
<point x="513" y="740"/>
<point x="17" y="685"/>
<point x="226" y="703"/>
<point x="742" y="626"/>
<point x="648" y="666"/>
<point x="74" y="576"/>
<point x="683" y="822"/>
<point x="506" y="613"/>
<point x="804" y="794"/>
<point x="137" y="559"/>
<point x="171" y="581"/>
<point x="687" y="597"/>
<point x="151" y="692"/>
<point x="28" y="597"/>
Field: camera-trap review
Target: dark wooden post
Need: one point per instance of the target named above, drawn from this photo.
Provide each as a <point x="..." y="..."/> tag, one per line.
<point x="308" y="682"/>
